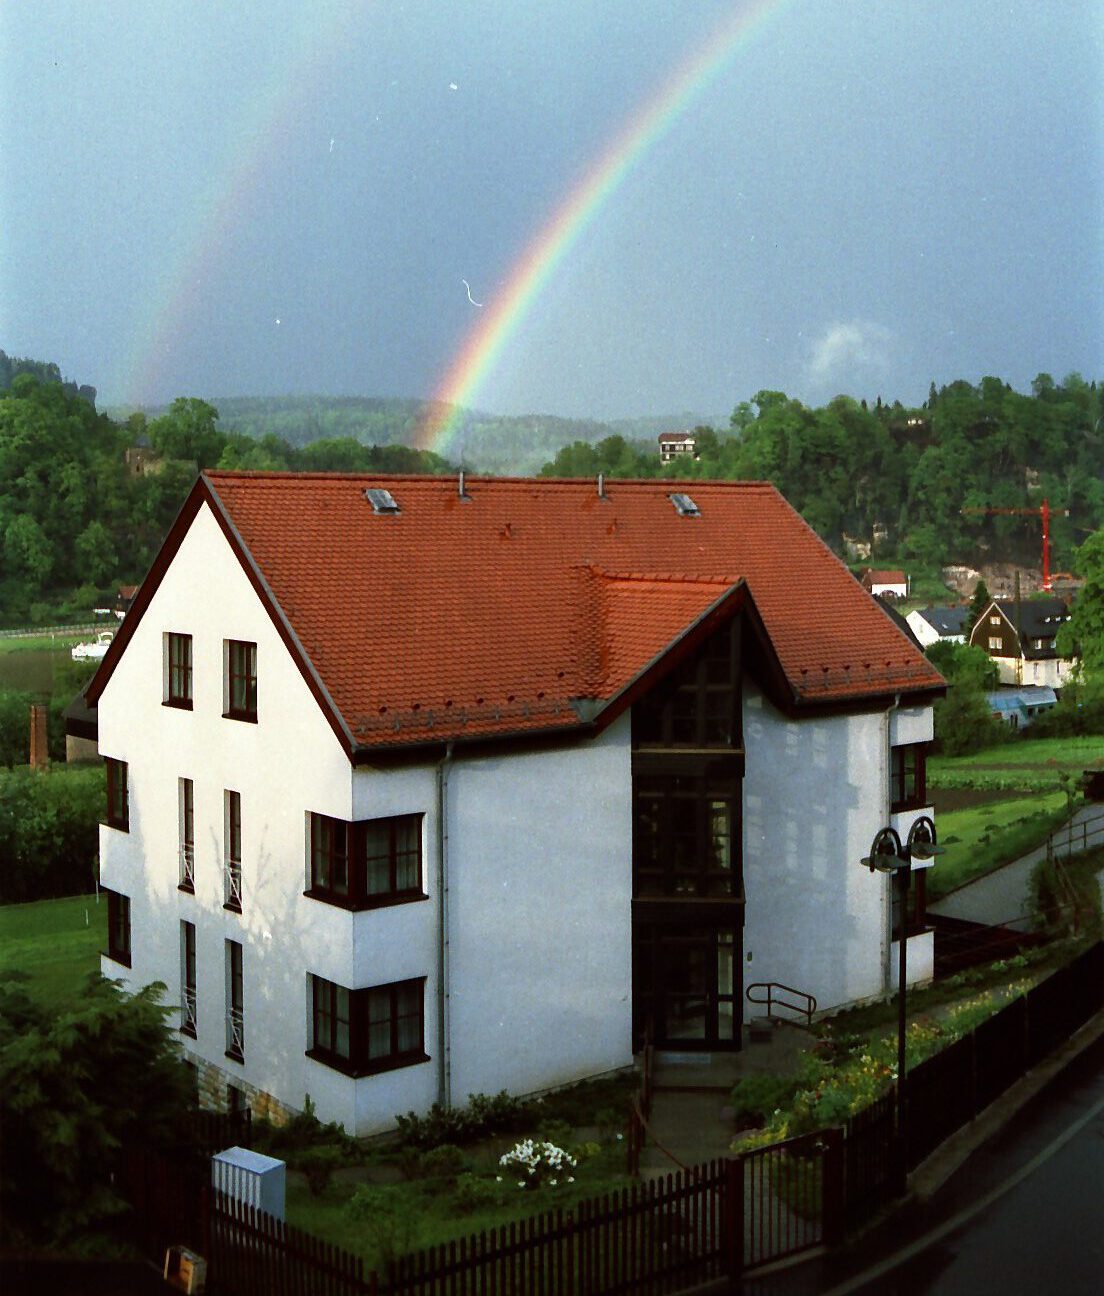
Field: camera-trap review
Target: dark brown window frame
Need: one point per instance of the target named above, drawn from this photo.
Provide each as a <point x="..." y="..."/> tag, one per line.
<point x="118" y="794"/>
<point x="178" y="671"/>
<point x="232" y="862"/>
<point x="908" y="788"/>
<point x="188" y="978"/>
<point x="118" y="926"/>
<point x="235" y="1000"/>
<point x="326" y="1018"/>
<point x="241" y="681"/>
<point x="187" y="836"/>
<point x="337" y="849"/>
<point x="699" y="706"/>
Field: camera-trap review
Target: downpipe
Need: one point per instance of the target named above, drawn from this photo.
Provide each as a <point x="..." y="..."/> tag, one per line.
<point x="444" y="1058"/>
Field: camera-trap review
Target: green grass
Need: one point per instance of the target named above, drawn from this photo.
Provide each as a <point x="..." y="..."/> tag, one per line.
<point x="430" y="1202"/>
<point x="1050" y="755"/>
<point x="9" y="644"/>
<point x="56" y="942"/>
<point x="981" y="838"/>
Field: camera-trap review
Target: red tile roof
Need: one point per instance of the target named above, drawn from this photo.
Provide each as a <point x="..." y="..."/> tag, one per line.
<point x="497" y="613"/>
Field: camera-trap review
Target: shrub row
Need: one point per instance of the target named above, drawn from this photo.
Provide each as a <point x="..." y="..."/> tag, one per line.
<point x="48" y="831"/>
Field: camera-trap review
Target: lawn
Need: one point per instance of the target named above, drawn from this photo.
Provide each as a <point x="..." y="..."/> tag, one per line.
<point x="56" y="942"/>
<point x="428" y="1206"/>
<point x="36" y="643"/>
<point x="983" y="837"/>
<point x="1047" y="757"/>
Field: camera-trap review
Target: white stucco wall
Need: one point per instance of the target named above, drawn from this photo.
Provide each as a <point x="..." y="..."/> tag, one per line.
<point x="815" y="793"/>
<point x="540" y="892"/>
<point x="532" y="837"/>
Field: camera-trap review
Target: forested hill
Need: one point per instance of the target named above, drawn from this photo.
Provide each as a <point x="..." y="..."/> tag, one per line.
<point x="85" y="499"/>
<point x="491" y="443"/>
<point x="901" y="477"/>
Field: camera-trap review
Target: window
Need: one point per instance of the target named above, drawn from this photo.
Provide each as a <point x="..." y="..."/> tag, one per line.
<point x="363" y="1031"/>
<point x="368" y="863"/>
<point x="188" y="978"/>
<point x="118" y="804"/>
<point x="699" y="705"/>
<point x="235" y="1003"/>
<point x="994" y="620"/>
<point x="907" y="790"/>
<point x="118" y="928"/>
<point x="240" y="691"/>
<point x="994" y="641"/>
<point x="686" y="837"/>
<point x="186" y="796"/>
<point x="178" y="671"/>
<point x="231" y="872"/>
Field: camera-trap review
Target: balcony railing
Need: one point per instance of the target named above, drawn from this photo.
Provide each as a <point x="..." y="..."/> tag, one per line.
<point x="187" y="866"/>
<point x="235" y="1033"/>
<point x="232" y="884"/>
<point x="188" y="1011"/>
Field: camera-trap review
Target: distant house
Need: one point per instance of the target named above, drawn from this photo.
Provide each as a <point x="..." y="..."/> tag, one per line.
<point x="1020" y="637"/>
<point x="932" y="624"/>
<point x="1019" y="707"/>
<point x="123" y="599"/>
<point x="677" y="445"/>
<point x="888" y="584"/>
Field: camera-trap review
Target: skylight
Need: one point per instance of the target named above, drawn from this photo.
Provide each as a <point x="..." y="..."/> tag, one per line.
<point x="382" y="501"/>
<point x="684" y="504"/>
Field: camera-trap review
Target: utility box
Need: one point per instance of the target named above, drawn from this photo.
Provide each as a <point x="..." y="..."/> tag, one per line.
<point x="250" y="1177"/>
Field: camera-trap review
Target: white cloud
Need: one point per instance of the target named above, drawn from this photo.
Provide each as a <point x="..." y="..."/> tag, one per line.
<point x="848" y="350"/>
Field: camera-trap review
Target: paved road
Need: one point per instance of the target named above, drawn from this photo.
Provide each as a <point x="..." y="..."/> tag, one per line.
<point x="1001" y="897"/>
<point x="1025" y="1214"/>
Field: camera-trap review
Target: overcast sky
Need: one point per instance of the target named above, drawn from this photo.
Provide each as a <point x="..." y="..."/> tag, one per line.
<point x="264" y="197"/>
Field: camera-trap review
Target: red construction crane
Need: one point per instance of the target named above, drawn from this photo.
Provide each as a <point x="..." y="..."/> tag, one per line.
<point x="1043" y="511"/>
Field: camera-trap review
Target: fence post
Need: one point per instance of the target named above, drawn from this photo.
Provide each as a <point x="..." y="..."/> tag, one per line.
<point x="832" y="1204"/>
<point x="733" y="1242"/>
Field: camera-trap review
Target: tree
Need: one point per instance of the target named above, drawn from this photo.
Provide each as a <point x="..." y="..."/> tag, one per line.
<point x="76" y="1082"/>
<point x="980" y="601"/>
<point x="963" y="664"/>
<point x="95" y="553"/>
<point x="1083" y="634"/>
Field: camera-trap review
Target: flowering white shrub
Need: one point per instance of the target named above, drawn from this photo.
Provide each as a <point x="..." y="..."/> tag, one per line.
<point x="536" y="1162"/>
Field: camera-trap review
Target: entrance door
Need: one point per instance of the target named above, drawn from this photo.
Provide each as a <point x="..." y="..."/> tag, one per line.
<point x="686" y="982"/>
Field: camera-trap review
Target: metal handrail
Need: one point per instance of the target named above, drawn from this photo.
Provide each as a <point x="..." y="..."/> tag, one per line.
<point x="235" y="1022"/>
<point x="189" y="1010"/>
<point x="233" y="882"/>
<point x="806" y="1009"/>
<point x="1074" y="839"/>
<point x="187" y="864"/>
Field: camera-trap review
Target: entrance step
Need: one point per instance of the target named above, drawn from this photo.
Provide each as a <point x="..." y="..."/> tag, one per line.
<point x="761" y="1030"/>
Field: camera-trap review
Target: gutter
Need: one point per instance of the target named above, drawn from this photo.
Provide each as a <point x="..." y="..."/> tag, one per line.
<point x="444" y="1056"/>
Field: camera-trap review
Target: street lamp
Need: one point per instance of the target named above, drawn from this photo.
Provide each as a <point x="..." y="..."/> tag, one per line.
<point x="888" y="854"/>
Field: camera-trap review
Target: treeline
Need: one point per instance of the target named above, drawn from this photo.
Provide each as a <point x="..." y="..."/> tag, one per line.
<point x="78" y="519"/>
<point x="900" y="478"/>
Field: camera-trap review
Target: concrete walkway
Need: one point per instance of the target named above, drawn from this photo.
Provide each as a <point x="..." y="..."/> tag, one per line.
<point x="691" y="1103"/>
<point x="1002" y="896"/>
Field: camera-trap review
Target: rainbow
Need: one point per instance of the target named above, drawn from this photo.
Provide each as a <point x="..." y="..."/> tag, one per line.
<point x="475" y="360"/>
<point x="317" y="36"/>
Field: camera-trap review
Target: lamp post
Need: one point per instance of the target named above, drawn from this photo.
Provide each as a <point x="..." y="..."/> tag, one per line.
<point x="888" y="854"/>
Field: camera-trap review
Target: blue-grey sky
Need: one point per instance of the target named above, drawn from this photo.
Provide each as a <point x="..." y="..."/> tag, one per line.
<point x="265" y="197"/>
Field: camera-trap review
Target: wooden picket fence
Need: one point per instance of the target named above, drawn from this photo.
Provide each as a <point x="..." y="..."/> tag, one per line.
<point x="705" y="1223"/>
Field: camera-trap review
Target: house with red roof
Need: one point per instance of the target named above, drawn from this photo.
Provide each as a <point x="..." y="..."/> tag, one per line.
<point x="422" y="787"/>
<point x="885" y="583"/>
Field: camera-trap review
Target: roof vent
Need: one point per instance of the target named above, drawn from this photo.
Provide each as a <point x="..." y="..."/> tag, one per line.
<point x="382" y="501"/>
<point x="602" y="486"/>
<point x="684" y="504"/>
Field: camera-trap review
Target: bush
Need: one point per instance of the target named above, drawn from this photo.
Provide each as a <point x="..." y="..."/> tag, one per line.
<point x="555" y="1131"/>
<point x="759" y="1095"/>
<point x="392" y="1227"/>
<point x="534" y="1162"/>
<point x="482" y="1116"/>
<point x="445" y="1161"/>
<point x="303" y="1133"/>
<point x="49" y="831"/>
<point x="1065" y="894"/>
<point x="473" y="1193"/>
<point x="318" y="1164"/>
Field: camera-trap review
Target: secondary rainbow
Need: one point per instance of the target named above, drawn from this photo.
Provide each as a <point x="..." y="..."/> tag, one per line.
<point x="477" y="356"/>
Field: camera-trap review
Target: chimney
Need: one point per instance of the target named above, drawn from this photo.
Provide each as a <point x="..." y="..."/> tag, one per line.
<point x="39" y="758"/>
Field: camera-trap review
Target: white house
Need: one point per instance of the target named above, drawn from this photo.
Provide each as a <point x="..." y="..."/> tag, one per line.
<point x="418" y="790"/>
<point x="890" y="584"/>
<point x="933" y="624"/>
<point x="677" y="445"/>
<point x="1020" y="637"/>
